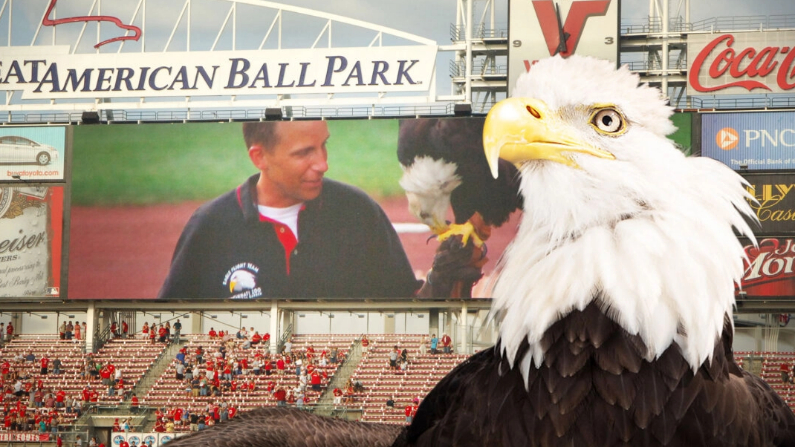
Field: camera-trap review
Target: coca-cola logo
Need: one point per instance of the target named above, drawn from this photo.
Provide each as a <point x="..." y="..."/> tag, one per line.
<point x="750" y="66"/>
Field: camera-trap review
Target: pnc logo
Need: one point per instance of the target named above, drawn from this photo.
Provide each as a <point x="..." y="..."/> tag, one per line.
<point x="727" y="138"/>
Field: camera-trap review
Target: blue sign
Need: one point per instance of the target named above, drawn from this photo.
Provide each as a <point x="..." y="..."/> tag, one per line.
<point x="751" y="140"/>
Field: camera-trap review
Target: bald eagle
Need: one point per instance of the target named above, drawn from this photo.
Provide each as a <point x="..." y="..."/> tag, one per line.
<point x="614" y="300"/>
<point x="444" y="164"/>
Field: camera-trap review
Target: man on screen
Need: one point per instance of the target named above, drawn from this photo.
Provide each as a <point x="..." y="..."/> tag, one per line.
<point x="289" y="232"/>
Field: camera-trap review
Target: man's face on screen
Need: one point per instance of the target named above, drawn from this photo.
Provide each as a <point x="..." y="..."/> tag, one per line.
<point x="293" y="169"/>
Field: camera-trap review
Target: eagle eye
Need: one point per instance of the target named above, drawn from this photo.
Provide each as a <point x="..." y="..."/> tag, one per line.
<point x="609" y="121"/>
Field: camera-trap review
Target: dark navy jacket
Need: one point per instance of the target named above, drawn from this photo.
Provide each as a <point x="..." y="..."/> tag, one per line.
<point x="347" y="248"/>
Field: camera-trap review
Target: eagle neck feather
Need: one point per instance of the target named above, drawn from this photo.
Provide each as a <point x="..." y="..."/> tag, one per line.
<point x="662" y="261"/>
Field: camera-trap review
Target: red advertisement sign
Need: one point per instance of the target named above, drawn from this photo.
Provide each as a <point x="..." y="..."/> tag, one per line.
<point x="24" y="437"/>
<point x="769" y="271"/>
<point x="739" y="63"/>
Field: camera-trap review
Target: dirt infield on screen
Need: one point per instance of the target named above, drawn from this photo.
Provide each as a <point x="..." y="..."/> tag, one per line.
<point x="135" y="186"/>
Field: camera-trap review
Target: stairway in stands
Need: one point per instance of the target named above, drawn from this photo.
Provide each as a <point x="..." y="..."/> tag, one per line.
<point x="325" y="405"/>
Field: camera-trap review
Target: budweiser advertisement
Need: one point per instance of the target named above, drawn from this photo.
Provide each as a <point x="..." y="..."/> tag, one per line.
<point x="741" y="63"/>
<point x="32" y="153"/>
<point x="769" y="269"/>
<point x="544" y="28"/>
<point x="31" y="229"/>
<point x="774" y="204"/>
<point x="750" y="140"/>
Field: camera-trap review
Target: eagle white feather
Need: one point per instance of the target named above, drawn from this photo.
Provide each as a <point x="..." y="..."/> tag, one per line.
<point x="650" y="232"/>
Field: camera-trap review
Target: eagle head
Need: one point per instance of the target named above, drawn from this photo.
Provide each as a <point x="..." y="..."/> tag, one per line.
<point x="613" y="212"/>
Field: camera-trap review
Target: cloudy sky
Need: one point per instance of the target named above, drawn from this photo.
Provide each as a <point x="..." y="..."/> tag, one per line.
<point x="427" y="18"/>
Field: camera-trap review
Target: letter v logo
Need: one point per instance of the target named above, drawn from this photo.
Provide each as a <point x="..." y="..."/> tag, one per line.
<point x="572" y="28"/>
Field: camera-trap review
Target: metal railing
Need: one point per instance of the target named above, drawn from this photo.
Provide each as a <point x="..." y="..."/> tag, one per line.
<point x="714" y="24"/>
<point x="479" y="68"/>
<point x="458" y="32"/>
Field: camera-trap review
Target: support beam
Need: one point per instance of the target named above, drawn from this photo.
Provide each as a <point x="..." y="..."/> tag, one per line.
<point x="275" y="333"/>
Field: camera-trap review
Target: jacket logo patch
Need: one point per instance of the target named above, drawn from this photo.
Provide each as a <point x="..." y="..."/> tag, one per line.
<point x="241" y="280"/>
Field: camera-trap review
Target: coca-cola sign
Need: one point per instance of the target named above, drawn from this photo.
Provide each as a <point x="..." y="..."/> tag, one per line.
<point x="769" y="270"/>
<point x="741" y="63"/>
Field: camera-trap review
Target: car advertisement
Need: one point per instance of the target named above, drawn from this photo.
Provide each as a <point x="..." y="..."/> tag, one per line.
<point x="750" y="140"/>
<point x="32" y="154"/>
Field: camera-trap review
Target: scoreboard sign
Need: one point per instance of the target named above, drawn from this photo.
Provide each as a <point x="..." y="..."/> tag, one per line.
<point x="544" y="28"/>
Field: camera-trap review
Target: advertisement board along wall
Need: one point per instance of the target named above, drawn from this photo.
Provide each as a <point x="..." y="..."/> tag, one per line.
<point x="750" y="140"/>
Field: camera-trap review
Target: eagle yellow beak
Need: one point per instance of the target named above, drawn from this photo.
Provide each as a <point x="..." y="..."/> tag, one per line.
<point x="522" y="129"/>
<point x="232" y="285"/>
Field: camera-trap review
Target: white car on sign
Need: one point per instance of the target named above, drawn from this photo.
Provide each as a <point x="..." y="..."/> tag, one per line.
<point x="15" y="149"/>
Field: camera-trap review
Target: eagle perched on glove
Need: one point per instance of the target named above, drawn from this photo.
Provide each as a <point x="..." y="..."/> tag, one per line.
<point x="614" y="300"/>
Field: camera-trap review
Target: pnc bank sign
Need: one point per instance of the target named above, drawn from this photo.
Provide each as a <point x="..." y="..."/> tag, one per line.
<point x="741" y="63"/>
<point x="759" y="140"/>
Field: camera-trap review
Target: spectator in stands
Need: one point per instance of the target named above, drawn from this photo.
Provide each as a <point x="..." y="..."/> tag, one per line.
<point x="212" y="333"/>
<point x="45" y="363"/>
<point x="78" y="330"/>
<point x="62" y="330"/>
<point x="365" y="343"/>
<point x="84" y="330"/>
<point x="152" y="334"/>
<point x="9" y="331"/>
<point x="393" y="356"/>
<point x="114" y="330"/>
<point x="256" y="339"/>
<point x="390" y="402"/>
<point x="56" y="365"/>
<point x="288" y="346"/>
<point x="446" y="344"/>
<point x="116" y="426"/>
<point x="60" y="398"/>
<point x="93" y="442"/>
<point x="281" y="397"/>
<point x="159" y="426"/>
<point x="125" y="329"/>
<point x="162" y="334"/>
<point x="194" y="422"/>
<point x="30" y="357"/>
<point x="177" y="331"/>
<point x="145" y="330"/>
<point x="434" y="344"/>
<point x="180" y="370"/>
<point x="784" y="372"/>
<point x="70" y="328"/>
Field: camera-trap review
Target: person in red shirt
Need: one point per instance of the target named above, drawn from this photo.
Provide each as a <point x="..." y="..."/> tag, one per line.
<point x="337" y="397"/>
<point x="446" y="344"/>
<point x="266" y="339"/>
<point x="124" y="329"/>
<point x="232" y="411"/>
<point x="134" y="403"/>
<point x="124" y="443"/>
<point x="45" y="362"/>
<point x="5" y="368"/>
<point x="116" y="427"/>
<point x="281" y="397"/>
<point x="314" y="379"/>
<point x="212" y="333"/>
<point x="177" y="416"/>
<point x="221" y="334"/>
<point x="86" y="394"/>
<point x="60" y="396"/>
<point x="9" y="331"/>
<point x="152" y="334"/>
<point x="162" y="334"/>
<point x="256" y="338"/>
<point x="93" y="396"/>
<point x="145" y="330"/>
<point x="280" y="365"/>
<point x="114" y="330"/>
<point x="159" y="427"/>
<point x="409" y="414"/>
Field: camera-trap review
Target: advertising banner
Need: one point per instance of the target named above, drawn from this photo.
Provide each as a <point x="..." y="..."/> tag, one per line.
<point x="543" y="28"/>
<point x="769" y="270"/>
<point x="32" y="153"/>
<point x="741" y="63"/>
<point x="168" y="211"/>
<point x="31" y="231"/>
<point x="52" y="72"/>
<point x="775" y="202"/>
<point x="24" y="437"/>
<point x="750" y="140"/>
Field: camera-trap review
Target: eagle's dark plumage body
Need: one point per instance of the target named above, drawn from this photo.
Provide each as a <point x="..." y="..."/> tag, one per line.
<point x="289" y="427"/>
<point x="594" y="388"/>
<point x="460" y="142"/>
